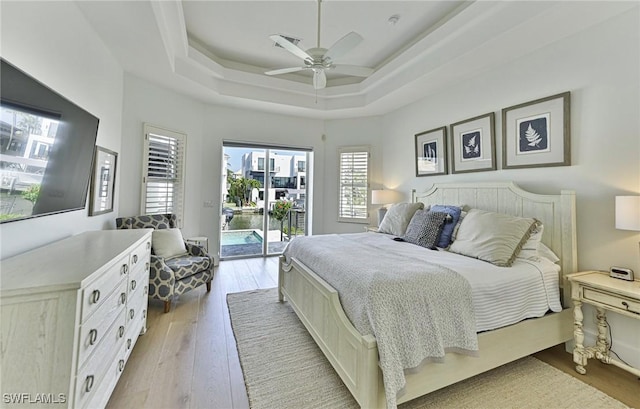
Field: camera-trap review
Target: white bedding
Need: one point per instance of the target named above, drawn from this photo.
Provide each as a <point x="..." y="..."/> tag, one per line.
<point x="501" y="295"/>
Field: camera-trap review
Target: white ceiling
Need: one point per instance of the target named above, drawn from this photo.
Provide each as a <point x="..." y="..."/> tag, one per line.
<point x="217" y="51"/>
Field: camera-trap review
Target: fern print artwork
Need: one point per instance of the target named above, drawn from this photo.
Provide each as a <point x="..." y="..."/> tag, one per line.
<point x="471" y="145"/>
<point x="533" y="134"/>
<point x="430" y="152"/>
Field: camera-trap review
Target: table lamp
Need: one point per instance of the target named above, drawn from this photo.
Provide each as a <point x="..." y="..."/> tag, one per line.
<point x="384" y="197"/>
<point x="628" y="213"/>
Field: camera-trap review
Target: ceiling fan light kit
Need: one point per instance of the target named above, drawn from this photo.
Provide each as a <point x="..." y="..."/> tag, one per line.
<point x="319" y="59"/>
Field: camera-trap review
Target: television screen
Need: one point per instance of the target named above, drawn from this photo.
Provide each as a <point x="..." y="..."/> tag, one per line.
<point x="46" y="148"/>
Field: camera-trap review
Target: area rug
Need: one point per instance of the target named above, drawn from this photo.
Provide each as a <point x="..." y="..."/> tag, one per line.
<point x="283" y="368"/>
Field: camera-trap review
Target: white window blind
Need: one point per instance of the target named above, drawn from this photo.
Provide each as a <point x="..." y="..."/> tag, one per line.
<point x="163" y="172"/>
<point x="354" y="184"/>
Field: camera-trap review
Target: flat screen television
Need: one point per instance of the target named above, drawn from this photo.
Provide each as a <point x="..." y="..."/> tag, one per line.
<point x="47" y="144"/>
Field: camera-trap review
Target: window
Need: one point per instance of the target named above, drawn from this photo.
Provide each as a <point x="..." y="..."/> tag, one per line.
<point x="301" y="166"/>
<point x="354" y="184"/>
<point x="272" y="164"/>
<point x="163" y="171"/>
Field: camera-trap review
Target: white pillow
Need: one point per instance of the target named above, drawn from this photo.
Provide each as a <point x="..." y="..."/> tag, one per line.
<point x="398" y="217"/>
<point x="492" y="237"/>
<point x="168" y="243"/>
<point x="546" y="252"/>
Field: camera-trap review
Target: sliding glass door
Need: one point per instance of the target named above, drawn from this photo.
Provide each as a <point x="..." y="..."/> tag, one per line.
<point x="264" y="190"/>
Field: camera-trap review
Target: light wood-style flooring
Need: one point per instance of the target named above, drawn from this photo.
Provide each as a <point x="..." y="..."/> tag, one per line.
<point x="188" y="357"/>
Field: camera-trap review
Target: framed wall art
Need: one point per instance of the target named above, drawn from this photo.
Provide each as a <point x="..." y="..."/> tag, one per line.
<point x="102" y="181"/>
<point x="537" y="133"/>
<point x="431" y="152"/>
<point x="473" y="144"/>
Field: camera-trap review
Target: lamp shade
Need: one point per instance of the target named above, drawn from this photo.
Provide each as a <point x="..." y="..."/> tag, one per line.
<point x="628" y="213"/>
<point x="385" y="196"/>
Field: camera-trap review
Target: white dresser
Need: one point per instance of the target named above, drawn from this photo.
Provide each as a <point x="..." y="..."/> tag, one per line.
<point x="71" y="313"/>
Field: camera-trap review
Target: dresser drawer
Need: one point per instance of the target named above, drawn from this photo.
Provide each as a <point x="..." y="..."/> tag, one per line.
<point x="134" y="327"/>
<point x="138" y="279"/>
<point x="95" y="328"/>
<point x="141" y="254"/>
<point x="618" y="302"/>
<point x="91" y="374"/>
<point x="137" y="308"/>
<point x="102" y="391"/>
<point x="96" y="292"/>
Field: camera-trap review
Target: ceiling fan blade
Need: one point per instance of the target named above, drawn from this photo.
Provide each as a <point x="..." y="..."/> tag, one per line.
<point x="319" y="79"/>
<point x="354" y="70"/>
<point x="289" y="46"/>
<point x="285" y="70"/>
<point x="343" y="45"/>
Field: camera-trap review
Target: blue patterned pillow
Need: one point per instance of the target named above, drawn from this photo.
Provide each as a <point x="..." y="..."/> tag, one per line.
<point x="447" y="229"/>
<point x="424" y="228"/>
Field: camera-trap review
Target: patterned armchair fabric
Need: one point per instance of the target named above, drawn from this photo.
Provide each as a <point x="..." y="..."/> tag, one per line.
<point x="176" y="275"/>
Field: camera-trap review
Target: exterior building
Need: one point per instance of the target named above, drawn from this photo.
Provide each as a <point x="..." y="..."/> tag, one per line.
<point x="288" y="176"/>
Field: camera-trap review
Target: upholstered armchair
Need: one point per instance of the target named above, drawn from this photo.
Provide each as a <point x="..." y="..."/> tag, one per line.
<point x="171" y="276"/>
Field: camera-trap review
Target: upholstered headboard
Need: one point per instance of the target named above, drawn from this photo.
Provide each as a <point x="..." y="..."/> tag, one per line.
<point x="556" y="212"/>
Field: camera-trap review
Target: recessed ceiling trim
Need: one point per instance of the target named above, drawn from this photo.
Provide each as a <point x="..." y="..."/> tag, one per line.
<point x="448" y="53"/>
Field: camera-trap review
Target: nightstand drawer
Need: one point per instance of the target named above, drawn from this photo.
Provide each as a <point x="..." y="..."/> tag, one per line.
<point x="617" y="302"/>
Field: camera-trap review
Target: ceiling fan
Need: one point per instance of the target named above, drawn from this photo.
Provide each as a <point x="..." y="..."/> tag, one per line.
<point x="319" y="59"/>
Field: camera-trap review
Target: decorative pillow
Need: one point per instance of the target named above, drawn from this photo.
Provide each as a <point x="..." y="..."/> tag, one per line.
<point x="492" y="237"/>
<point x="167" y="243"/>
<point x="398" y="217"/>
<point x="530" y="248"/>
<point x="447" y="230"/>
<point x="425" y="228"/>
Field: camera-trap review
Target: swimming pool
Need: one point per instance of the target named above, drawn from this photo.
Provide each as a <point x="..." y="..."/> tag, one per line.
<point x="230" y="238"/>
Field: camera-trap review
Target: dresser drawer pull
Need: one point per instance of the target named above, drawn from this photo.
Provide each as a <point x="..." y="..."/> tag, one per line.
<point x="124" y="269"/>
<point x="132" y="313"/>
<point x="129" y="343"/>
<point x="123" y="298"/>
<point x="121" y="331"/>
<point x="148" y="245"/>
<point x="144" y="313"/>
<point x="121" y="365"/>
<point x="133" y="285"/>
<point x="95" y="296"/>
<point x="93" y="336"/>
<point x="135" y="258"/>
<point x="146" y="289"/>
<point x="88" y="383"/>
<point x="146" y="265"/>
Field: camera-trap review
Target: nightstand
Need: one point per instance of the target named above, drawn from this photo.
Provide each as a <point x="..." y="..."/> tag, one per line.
<point x="606" y="294"/>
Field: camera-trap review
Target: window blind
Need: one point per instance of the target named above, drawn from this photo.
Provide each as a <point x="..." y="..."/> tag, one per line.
<point x="163" y="172"/>
<point x="354" y="184"/>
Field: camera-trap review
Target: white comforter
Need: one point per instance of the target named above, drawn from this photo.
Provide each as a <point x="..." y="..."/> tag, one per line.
<point x="391" y="286"/>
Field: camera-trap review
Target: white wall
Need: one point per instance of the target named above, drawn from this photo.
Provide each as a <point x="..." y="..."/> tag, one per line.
<point x="206" y="127"/>
<point x="52" y="42"/>
<point x="601" y="68"/>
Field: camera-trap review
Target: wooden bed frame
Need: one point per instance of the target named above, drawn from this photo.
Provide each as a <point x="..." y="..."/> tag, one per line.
<point x="355" y="357"/>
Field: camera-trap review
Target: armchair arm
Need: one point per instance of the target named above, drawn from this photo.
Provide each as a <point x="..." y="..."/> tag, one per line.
<point x="161" y="279"/>
<point x="195" y="250"/>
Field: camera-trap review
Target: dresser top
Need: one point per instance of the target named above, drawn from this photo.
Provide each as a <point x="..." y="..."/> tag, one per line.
<point x="68" y="263"/>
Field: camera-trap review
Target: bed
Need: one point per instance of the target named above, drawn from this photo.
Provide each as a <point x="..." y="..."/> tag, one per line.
<point x="355" y="357"/>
